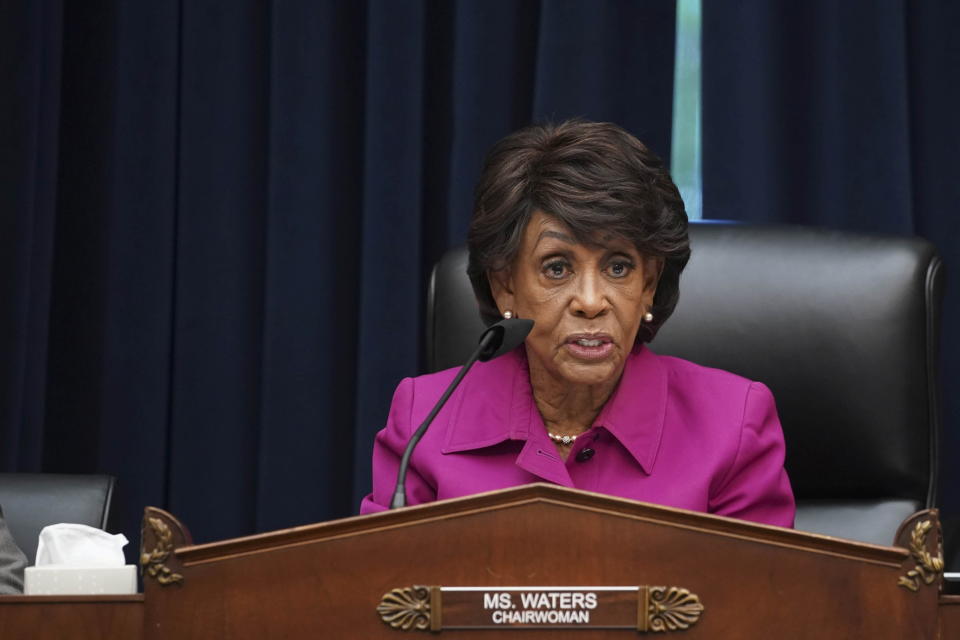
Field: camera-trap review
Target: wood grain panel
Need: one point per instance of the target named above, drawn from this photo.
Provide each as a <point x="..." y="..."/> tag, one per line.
<point x="754" y="581"/>
<point x="71" y="617"/>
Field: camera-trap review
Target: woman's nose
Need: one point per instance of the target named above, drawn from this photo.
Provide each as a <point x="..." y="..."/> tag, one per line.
<point x="589" y="299"/>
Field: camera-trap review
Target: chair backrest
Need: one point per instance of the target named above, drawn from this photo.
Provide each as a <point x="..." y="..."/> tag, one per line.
<point x="844" y="329"/>
<point x="31" y="501"/>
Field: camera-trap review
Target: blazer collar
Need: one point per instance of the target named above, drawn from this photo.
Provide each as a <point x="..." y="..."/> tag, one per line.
<point x="495" y="403"/>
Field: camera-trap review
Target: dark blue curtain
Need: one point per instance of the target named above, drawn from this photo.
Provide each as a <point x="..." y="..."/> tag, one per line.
<point x="217" y="219"/>
<point x="842" y="114"/>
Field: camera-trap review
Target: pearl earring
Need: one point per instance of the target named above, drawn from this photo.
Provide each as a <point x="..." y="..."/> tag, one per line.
<point x="648" y="317"/>
<point x="507" y="314"/>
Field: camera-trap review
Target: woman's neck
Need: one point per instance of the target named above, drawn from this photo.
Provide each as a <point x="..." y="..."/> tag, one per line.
<point x="566" y="408"/>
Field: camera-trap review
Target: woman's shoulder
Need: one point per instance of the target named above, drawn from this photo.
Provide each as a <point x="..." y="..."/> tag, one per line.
<point x="486" y="374"/>
<point x="423" y="388"/>
<point x="493" y="377"/>
<point x="685" y="368"/>
<point x="692" y="380"/>
<point x="427" y="382"/>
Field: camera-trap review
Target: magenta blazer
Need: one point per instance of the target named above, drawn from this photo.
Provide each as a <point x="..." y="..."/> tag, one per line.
<point x="672" y="433"/>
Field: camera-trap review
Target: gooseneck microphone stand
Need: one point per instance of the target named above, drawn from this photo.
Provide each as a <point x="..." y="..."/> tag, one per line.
<point x="499" y="338"/>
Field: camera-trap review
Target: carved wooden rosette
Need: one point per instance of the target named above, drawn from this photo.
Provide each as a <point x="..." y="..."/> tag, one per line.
<point x="921" y="534"/>
<point x="411" y="608"/>
<point x="161" y="533"/>
<point x="668" y="609"/>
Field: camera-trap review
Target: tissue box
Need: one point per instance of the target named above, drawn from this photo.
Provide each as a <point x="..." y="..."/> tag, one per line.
<point x="71" y="580"/>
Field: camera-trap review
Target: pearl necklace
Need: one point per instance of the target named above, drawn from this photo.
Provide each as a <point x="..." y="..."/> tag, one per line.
<point x="564" y="440"/>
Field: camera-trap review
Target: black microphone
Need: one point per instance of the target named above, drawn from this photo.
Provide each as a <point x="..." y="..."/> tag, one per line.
<point x="498" y="339"/>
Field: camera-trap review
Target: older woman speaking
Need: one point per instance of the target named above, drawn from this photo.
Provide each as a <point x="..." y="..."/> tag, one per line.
<point x="579" y="228"/>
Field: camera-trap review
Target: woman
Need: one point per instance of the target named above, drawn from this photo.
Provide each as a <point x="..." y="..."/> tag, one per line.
<point x="579" y="227"/>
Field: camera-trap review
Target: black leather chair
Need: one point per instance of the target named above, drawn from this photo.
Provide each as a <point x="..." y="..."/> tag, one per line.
<point x="31" y="501"/>
<point x="844" y="328"/>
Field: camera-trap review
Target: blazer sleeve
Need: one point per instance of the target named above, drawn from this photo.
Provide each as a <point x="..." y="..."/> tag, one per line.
<point x="756" y="487"/>
<point x="12" y="562"/>
<point x="388" y="449"/>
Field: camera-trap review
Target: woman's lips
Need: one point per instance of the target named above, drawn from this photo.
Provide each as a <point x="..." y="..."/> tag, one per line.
<point x="589" y="346"/>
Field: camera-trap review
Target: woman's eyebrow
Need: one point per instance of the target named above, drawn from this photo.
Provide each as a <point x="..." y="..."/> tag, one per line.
<point x="559" y="235"/>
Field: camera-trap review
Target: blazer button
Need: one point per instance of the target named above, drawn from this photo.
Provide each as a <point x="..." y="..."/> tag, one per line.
<point x="585" y="455"/>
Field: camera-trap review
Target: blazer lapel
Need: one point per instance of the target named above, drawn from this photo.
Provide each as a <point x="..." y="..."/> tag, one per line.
<point x="494" y="404"/>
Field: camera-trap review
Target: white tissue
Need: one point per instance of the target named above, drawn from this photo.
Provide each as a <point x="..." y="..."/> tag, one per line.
<point x="79" y="545"/>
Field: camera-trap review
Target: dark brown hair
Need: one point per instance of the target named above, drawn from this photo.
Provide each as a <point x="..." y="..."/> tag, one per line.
<point x="591" y="176"/>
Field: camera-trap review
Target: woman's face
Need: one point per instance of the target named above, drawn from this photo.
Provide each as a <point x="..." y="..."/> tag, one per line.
<point x="586" y="300"/>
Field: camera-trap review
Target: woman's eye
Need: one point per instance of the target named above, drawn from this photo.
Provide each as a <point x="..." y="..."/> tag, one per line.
<point x="619" y="269"/>
<point x="555" y="270"/>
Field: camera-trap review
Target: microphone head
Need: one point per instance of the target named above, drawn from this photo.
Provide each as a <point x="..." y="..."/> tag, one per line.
<point x="506" y="335"/>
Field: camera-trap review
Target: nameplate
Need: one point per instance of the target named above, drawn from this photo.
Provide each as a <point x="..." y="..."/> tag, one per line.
<point x="640" y="608"/>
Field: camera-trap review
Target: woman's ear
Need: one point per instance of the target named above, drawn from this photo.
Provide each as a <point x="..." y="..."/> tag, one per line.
<point x="501" y="287"/>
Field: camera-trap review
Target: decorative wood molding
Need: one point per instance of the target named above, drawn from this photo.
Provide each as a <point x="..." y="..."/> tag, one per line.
<point x="161" y="533"/>
<point x="926" y="550"/>
<point x="672" y="609"/>
<point x="548" y="495"/>
<point x="406" y="609"/>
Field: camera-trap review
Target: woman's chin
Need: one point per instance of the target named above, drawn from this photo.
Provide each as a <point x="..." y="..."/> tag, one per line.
<point x="591" y="372"/>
